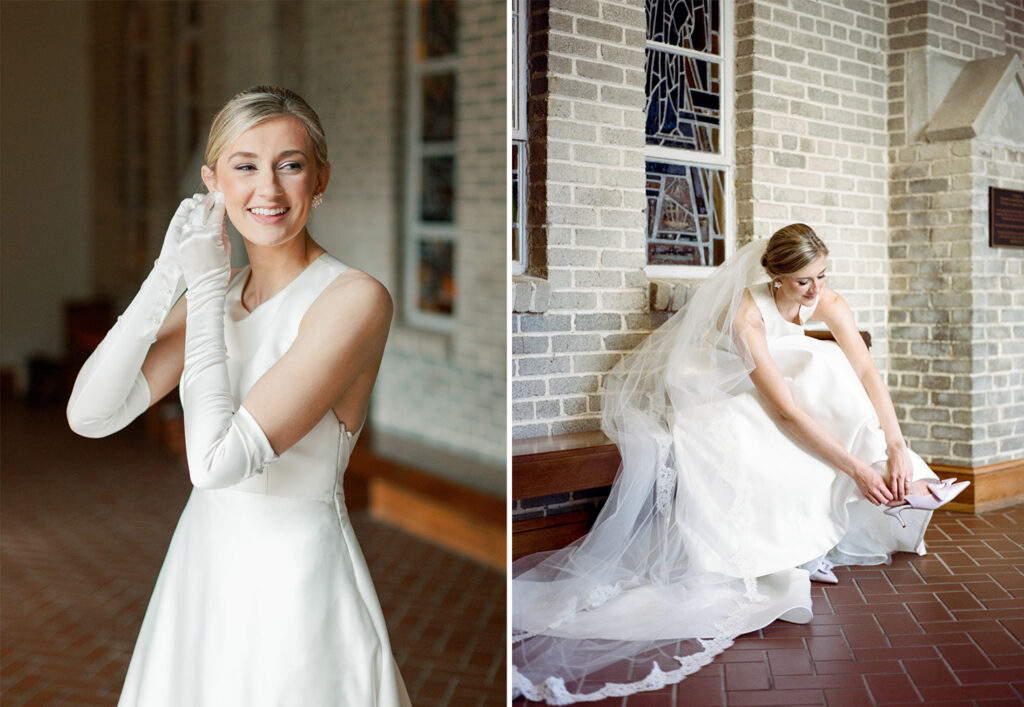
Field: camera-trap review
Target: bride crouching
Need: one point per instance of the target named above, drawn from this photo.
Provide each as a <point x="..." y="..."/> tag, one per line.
<point x="754" y="458"/>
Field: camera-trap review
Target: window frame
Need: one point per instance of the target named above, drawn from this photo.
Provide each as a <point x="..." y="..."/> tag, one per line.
<point x="518" y="135"/>
<point x="725" y="159"/>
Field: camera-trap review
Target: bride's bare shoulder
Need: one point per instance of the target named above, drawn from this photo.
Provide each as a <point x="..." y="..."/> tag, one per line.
<point x="747" y="313"/>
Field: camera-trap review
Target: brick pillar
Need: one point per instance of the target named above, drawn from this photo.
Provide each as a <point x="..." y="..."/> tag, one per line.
<point x="955" y="338"/>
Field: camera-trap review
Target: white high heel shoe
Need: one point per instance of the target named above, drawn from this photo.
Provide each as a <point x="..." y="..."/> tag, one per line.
<point x="941" y="494"/>
<point x="824" y="573"/>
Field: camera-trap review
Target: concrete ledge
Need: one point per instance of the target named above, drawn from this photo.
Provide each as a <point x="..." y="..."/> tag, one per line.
<point x="530" y="294"/>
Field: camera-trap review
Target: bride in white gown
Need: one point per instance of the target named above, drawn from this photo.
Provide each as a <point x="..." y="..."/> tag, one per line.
<point x="264" y="598"/>
<point x="754" y="458"/>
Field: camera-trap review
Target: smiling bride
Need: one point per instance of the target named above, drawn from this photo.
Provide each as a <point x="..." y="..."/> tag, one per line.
<point x="264" y="598"/>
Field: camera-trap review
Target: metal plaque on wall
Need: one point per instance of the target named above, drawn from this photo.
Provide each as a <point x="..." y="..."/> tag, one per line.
<point x="1005" y="217"/>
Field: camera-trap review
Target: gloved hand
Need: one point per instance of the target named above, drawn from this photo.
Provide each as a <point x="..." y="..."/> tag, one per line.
<point x="110" y="390"/>
<point x="223" y="446"/>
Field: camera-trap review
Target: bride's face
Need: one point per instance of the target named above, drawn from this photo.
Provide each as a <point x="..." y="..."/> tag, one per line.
<point x="268" y="177"/>
<point x="805" y="284"/>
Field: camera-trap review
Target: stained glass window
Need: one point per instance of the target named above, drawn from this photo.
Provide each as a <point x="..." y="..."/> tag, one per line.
<point x="689" y="167"/>
<point x="436" y="277"/>
<point x="684" y="207"/>
<point x="517" y="181"/>
<point x="432" y="114"/>
<point x="517" y="212"/>
<point x="437" y="189"/>
<point x="437" y="28"/>
<point x="439" y="107"/>
<point x="682" y="102"/>
<point x="688" y="24"/>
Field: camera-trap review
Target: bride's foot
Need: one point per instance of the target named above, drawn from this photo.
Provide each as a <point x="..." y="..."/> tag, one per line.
<point x="824" y="573"/>
<point x="939" y="494"/>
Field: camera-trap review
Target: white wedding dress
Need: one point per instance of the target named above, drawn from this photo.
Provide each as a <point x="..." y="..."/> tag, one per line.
<point x="264" y="598"/>
<point x="707" y="546"/>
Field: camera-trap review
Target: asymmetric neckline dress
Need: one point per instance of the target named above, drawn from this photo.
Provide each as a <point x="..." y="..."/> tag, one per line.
<point x="264" y="598"/>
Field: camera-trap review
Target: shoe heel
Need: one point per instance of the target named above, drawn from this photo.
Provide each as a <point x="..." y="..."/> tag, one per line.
<point x="897" y="513"/>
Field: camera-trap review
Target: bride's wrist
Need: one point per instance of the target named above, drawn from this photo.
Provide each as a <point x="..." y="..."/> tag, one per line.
<point x="896" y="444"/>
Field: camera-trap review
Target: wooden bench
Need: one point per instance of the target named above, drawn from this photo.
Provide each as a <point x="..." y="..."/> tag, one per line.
<point x="447" y="513"/>
<point x="566" y="464"/>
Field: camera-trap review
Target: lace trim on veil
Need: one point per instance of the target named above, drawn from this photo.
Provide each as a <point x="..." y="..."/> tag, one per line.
<point x="554" y="692"/>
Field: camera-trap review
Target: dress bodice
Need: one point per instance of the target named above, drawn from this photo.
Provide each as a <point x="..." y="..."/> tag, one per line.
<point x="775" y="324"/>
<point x="256" y="340"/>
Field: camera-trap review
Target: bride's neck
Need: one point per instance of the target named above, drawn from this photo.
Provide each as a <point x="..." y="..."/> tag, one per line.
<point x="273" y="268"/>
<point x="790" y="311"/>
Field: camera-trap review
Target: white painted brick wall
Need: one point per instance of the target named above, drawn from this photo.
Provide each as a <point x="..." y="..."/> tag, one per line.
<point x="811" y="136"/>
<point x="447" y="391"/>
<point x="811" y="139"/>
<point x="594" y="217"/>
<point x="821" y="137"/>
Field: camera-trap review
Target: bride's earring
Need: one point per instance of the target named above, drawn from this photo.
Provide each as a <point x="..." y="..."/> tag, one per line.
<point x="776" y="284"/>
<point x="318" y="199"/>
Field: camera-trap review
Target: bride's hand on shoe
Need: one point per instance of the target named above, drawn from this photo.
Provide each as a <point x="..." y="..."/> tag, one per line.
<point x="901" y="472"/>
<point x="872" y="485"/>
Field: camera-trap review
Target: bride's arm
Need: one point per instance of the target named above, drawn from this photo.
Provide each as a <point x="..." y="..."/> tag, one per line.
<point x="337" y="351"/>
<point x="771" y="385"/>
<point x="836" y="314"/>
<point x="333" y="359"/>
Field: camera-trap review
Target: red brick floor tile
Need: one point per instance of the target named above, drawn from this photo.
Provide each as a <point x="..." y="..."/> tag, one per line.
<point x="696" y="691"/>
<point x="930" y="639"/>
<point x="847" y="697"/>
<point x="874" y="588"/>
<point x="992" y="642"/>
<point x="864" y="636"/>
<point x="999" y="675"/>
<point x="896" y="653"/>
<point x="816" y="682"/>
<point x="929" y="611"/>
<point x="888" y="689"/>
<point x="829" y="648"/>
<point x="964" y="657"/>
<point x="777" y="697"/>
<point x="898" y="623"/>
<point x="750" y="642"/>
<point x="1014" y="626"/>
<point x="789" y="662"/>
<point x="935" y="695"/>
<point x="83" y="540"/>
<point x="838" y="594"/>
<point x="928" y="673"/>
<point x="746" y="676"/>
<point x="1010" y="660"/>
<point x="859" y="667"/>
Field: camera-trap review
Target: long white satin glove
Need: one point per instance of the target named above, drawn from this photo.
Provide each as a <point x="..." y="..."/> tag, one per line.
<point x="110" y="390"/>
<point x="223" y="446"/>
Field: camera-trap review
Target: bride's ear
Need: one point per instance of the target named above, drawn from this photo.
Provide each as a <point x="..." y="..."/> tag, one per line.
<point x="209" y="178"/>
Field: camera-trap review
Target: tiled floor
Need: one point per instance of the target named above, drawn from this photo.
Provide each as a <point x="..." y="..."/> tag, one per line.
<point x="85" y="524"/>
<point x="943" y="629"/>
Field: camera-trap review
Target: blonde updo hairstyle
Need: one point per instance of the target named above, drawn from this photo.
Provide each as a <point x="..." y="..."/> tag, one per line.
<point x="257" y="105"/>
<point x="792" y="248"/>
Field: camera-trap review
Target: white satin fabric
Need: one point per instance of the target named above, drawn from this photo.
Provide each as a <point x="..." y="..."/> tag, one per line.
<point x="264" y="598"/>
<point x="710" y="517"/>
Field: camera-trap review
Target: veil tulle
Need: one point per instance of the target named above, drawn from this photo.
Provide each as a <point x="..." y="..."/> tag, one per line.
<point x="661" y="584"/>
